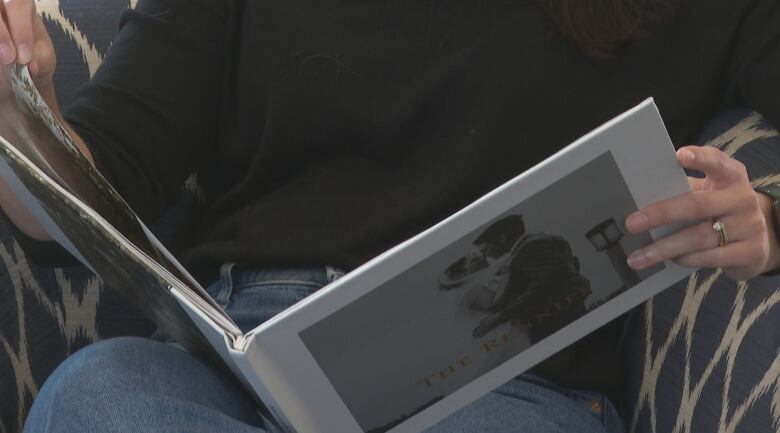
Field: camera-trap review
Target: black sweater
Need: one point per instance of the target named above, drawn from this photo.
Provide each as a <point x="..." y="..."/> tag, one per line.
<point x="325" y="132"/>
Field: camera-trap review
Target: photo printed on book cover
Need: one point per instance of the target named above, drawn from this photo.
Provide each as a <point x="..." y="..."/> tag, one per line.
<point x="482" y="300"/>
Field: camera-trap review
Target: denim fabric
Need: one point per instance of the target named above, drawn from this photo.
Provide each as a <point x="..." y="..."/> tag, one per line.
<point x="139" y="385"/>
<point x="252" y="296"/>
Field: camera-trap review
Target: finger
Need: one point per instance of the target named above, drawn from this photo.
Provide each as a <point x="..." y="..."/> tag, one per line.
<point x="19" y="15"/>
<point x="7" y="50"/>
<point x="714" y="163"/>
<point x="699" y="237"/>
<point x="44" y="57"/>
<point x="692" y="206"/>
<point x="698" y="183"/>
<point x="737" y="257"/>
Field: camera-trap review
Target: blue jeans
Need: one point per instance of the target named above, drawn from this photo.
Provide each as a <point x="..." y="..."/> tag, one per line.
<point x="134" y="385"/>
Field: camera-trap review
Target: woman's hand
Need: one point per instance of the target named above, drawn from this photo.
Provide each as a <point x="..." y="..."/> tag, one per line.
<point x="24" y="40"/>
<point x="725" y="195"/>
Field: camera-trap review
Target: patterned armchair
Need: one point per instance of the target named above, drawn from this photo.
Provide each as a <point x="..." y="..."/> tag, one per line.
<point x="704" y="356"/>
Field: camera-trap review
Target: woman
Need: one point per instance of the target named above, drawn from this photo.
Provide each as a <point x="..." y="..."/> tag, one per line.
<point x="324" y="133"/>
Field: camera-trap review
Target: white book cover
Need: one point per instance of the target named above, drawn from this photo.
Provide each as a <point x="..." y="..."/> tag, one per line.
<point x="416" y="333"/>
<point x="438" y="321"/>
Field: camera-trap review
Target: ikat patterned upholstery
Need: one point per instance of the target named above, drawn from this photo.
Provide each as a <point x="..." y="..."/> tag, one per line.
<point x="704" y="356"/>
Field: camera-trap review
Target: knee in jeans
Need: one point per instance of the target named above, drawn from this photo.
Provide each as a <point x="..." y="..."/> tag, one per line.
<point x="82" y="380"/>
<point x="99" y="361"/>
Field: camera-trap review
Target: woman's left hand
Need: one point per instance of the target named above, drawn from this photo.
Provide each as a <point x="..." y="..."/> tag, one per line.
<point x="724" y="194"/>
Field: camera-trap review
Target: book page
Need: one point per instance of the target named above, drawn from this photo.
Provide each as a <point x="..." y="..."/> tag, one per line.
<point x="28" y="126"/>
<point x="28" y="123"/>
<point x="119" y="263"/>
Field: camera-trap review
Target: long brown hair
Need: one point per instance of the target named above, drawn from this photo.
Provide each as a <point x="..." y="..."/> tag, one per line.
<point x="599" y="27"/>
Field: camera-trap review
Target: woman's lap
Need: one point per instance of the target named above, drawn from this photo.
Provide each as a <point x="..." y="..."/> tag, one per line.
<point x="530" y="404"/>
<point x="139" y="385"/>
<point x="132" y="384"/>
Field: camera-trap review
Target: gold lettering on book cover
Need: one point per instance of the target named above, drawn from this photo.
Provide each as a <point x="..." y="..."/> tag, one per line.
<point x="535" y="317"/>
<point x="429" y="380"/>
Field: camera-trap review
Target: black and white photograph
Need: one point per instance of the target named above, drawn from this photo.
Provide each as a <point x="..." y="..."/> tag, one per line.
<point x="482" y="300"/>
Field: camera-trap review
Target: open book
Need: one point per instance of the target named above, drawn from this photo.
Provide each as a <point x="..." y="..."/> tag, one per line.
<point x="414" y="334"/>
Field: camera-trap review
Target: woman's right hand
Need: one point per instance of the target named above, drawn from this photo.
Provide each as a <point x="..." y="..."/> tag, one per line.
<point x="24" y="40"/>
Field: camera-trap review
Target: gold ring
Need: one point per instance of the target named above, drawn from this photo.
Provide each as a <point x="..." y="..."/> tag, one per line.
<point x="719" y="227"/>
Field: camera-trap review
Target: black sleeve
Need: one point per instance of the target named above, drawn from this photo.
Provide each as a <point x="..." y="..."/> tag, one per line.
<point x="755" y="64"/>
<point x="150" y="112"/>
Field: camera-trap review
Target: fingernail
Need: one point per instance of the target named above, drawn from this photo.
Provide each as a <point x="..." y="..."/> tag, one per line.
<point x="638" y="260"/>
<point x="6" y="53"/>
<point x="24" y="54"/>
<point x="687" y="156"/>
<point x="637" y="222"/>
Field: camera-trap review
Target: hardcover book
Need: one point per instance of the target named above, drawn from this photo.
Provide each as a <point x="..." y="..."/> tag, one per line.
<point x="414" y="334"/>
